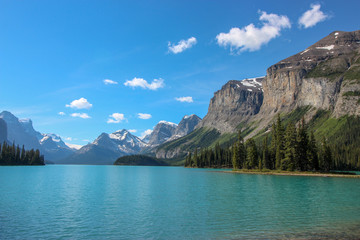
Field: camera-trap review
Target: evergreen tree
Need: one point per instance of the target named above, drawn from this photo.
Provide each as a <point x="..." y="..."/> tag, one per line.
<point x="266" y="161"/>
<point x="252" y="154"/>
<point x="313" y="153"/>
<point x="235" y="156"/>
<point x="288" y="162"/>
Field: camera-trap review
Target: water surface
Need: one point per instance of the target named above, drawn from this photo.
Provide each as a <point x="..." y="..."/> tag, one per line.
<point x="119" y="202"/>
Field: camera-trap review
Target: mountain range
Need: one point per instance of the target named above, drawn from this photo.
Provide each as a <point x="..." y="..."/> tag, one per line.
<point x="320" y="83"/>
<point x="104" y="150"/>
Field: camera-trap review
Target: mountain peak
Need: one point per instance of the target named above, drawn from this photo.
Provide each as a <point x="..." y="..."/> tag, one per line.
<point x="168" y="123"/>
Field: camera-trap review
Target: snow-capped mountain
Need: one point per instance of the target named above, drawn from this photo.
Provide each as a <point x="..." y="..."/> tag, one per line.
<point x="107" y="148"/>
<point x="22" y="132"/>
<point x="162" y="132"/>
<point x="186" y="126"/>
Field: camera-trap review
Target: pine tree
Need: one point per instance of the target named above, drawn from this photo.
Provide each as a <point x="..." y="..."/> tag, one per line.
<point x="252" y="154"/>
<point x="313" y="153"/>
<point x="288" y="162"/>
<point x="279" y="138"/>
<point x="266" y="155"/>
<point x="302" y="141"/>
<point x="326" y="156"/>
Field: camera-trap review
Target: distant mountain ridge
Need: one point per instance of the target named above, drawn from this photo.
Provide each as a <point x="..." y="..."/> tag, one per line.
<point x="109" y="147"/>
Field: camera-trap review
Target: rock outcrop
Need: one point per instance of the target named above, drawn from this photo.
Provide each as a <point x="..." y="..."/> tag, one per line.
<point x="186" y="126"/>
<point x="236" y="102"/>
<point x="162" y="132"/>
<point x="3" y="131"/>
<point x="315" y="76"/>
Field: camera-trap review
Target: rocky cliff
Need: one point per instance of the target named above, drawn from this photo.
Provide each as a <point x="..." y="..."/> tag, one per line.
<point x="186" y="126"/>
<point x="236" y="102"/>
<point x="319" y="76"/>
<point x="162" y="132"/>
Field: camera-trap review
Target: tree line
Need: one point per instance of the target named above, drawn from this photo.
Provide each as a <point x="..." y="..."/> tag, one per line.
<point x="292" y="149"/>
<point x="13" y="155"/>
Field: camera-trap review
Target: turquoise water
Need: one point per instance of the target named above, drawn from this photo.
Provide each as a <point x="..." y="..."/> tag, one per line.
<point x="116" y="202"/>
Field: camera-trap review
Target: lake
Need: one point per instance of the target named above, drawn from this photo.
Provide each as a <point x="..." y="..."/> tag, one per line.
<point x="120" y="202"/>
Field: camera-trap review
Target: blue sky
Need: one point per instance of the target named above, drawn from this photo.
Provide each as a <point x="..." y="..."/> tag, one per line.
<point x="55" y="56"/>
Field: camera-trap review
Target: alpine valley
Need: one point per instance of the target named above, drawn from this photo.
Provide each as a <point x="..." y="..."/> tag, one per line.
<point x="320" y="84"/>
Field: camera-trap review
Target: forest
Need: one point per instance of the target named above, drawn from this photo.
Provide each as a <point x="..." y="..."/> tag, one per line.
<point x="288" y="148"/>
<point x="13" y="155"/>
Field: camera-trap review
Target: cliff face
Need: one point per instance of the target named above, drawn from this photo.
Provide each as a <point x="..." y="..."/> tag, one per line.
<point x="236" y="102"/>
<point x="317" y="76"/>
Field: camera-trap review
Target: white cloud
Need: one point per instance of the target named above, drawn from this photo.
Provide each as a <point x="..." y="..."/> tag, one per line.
<point x="182" y="45"/>
<point x="312" y="17"/>
<point x="146" y="132"/>
<point x="116" y="118"/>
<point x="68" y="139"/>
<point x="108" y="81"/>
<point x="144" y="116"/>
<point x="132" y="130"/>
<point x="81" y="103"/>
<point x="185" y="99"/>
<point x="80" y="115"/>
<point x="61" y="113"/>
<point x="140" y="82"/>
<point x="251" y="38"/>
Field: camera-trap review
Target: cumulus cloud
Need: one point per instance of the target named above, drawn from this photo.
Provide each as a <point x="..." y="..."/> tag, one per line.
<point x="146" y="132"/>
<point x="185" y="99"/>
<point x="251" y="38"/>
<point x="81" y="103"/>
<point x="108" y="81"/>
<point x="144" y="116"/>
<point x="116" y="118"/>
<point x="61" y="113"/>
<point x="132" y="130"/>
<point x="140" y="82"/>
<point x="80" y="115"/>
<point x="312" y="17"/>
<point x="182" y="45"/>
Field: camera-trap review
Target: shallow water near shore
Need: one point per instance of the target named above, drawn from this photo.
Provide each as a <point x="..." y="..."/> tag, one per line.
<point x="119" y="202"/>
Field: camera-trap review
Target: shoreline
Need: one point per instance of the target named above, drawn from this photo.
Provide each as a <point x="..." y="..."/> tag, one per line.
<point x="285" y="173"/>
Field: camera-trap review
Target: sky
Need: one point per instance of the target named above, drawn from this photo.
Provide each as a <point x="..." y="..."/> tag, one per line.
<point x="81" y="68"/>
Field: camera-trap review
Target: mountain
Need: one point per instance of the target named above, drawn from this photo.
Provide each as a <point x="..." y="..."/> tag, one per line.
<point x="3" y="131"/>
<point x="106" y="149"/>
<point x="236" y="102"/>
<point x="321" y="84"/>
<point x="54" y="148"/>
<point x="186" y="126"/>
<point x="22" y="132"/>
<point x="162" y="132"/>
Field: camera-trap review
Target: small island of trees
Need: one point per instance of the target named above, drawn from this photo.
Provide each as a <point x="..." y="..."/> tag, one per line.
<point x="13" y="155"/>
<point x="289" y="149"/>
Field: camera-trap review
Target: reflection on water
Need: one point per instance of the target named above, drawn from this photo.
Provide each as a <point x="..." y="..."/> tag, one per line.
<point x="113" y="202"/>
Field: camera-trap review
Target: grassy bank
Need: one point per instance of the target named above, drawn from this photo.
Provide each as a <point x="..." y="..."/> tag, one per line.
<point x="294" y="173"/>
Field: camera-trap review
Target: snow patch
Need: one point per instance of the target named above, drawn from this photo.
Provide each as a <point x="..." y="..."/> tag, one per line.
<point x="330" y="47"/>
<point x="250" y="90"/>
<point x="168" y="123"/>
<point x="336" y="33"/>
<point x="74" y="146"/>
<point x="306" y="50"/>
<point x="188" y="116"/>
